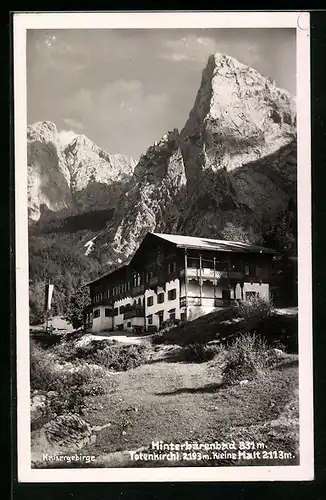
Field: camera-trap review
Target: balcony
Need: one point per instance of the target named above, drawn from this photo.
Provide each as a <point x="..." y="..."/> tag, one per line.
<point x="102" y="302"/>
<point x="206" y="273"/>
<point x="153" y="281"/>
<point x="137" y="290"/>
<point x="134" y="312"/>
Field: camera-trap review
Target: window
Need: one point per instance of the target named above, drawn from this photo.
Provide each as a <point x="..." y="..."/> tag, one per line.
<point x="116" y="311"/>
<point x="139" y="301"/>
<point x="114" y="290"/>
<point x="129" y="324"/>
<point x="183" y="316"/>
<point x="160" y="298"/>
<point x="97" y="313"/>
<point x="172" y="314"/>
<point x="150" y="319"/>
<point x="236" y="266"/>
<point x="172" y="294"/>
<point x="193" y="262"/>
<point x="136" y="280"/>
<point x="172" y="267"/>
<point x="160" y="318"/>
<point x="226" y="295"/>
<point x="249" y="270"/>
<point x="122" y="310"/>
<point x="135" y="302"/>
<point x="107" y="312"/>
<point x="150" y="301"/>
<point x="149" y="276"/>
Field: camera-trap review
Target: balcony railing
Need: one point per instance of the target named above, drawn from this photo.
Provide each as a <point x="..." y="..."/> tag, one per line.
<point x="197" y="301"/>
<point x="206" y="273"/>
<point x="102" y="302"/>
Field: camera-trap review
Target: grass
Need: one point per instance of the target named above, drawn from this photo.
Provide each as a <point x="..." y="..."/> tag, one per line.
<point x="224" y="325"/>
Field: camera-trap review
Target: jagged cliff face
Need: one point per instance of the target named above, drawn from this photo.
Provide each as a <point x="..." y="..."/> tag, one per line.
<point x="238" y="117"/>
<point x="239" y="149"/>
<point x="153" y="201"/>
<point x="74" y="177"/>
<point x="233" y="162"/>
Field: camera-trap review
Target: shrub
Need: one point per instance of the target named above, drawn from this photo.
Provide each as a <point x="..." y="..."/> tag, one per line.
<point x="121" y="357"/>
<point x="255" y="307"/>
<point x="72" y="381"/>
<point x="69" y="351"/>
<point x="198" y="353"/>
<point x="158" y="338"/>
<point x="246" y="359"/>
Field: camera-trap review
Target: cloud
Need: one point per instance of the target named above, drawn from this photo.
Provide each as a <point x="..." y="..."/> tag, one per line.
<point x="122" y="97"/>
<point x="66" y="136"/>
<point x="74" y="124"/>
<point x="189" y="48"/>
<point x="193" y="48"/>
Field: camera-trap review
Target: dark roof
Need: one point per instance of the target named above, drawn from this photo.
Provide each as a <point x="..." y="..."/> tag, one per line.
<point x="200" y="244"/>
<point x="104" y="275"/>
<point x="210" y="244"/>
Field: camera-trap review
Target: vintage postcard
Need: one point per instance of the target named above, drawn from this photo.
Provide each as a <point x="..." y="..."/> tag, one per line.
<point x="163" y="257"/>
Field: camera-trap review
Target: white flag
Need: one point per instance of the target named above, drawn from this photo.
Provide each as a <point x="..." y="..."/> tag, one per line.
<point x="48" y="296"/>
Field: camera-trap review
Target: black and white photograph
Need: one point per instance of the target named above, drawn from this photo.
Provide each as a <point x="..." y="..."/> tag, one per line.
<point x="162" y="179"/>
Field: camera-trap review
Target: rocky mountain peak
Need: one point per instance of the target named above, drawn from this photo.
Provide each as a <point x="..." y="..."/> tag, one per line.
<point x="238" y="116"/>
<point x="71" y="176"/>
<point x="43" y="131"/>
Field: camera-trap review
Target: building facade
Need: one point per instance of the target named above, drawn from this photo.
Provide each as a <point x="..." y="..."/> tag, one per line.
<point x="173" y="278"/>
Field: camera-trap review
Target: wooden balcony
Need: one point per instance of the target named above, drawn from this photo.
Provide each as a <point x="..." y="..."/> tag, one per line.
<point x="134" y="312"/>
<point x="103" y="302"/>
<point x="206" y="273"/>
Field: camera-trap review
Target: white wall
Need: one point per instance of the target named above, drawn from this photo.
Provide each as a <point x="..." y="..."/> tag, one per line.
<point x="164" y="306"/>
<point x="262" y="289"/>
<point x="102" y="323"/>
<point x="118" y="320"/>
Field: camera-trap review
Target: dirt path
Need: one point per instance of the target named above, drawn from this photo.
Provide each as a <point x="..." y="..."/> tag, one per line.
<point x="178" y="402"/>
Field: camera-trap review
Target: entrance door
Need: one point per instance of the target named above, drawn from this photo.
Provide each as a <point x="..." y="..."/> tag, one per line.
<point x="226" y="296"/>
<point x="160" y="319"/>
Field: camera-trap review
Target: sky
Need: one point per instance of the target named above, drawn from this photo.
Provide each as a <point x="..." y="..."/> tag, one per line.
<point x="124" y="89"/>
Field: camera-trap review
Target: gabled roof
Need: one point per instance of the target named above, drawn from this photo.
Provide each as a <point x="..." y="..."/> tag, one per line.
<point x="199" y="244"/>
<point x="104" y="275"/>
<point x="210" y="244"/>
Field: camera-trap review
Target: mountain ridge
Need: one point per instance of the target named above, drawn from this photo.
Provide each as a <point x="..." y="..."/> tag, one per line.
<point x="71" y="177"/>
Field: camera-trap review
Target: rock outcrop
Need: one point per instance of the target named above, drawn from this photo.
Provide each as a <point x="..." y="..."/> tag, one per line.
<point x="71" y="178"/>
<point x="153" y="201"/>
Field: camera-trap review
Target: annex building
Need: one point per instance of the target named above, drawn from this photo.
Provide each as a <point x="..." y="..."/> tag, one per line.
<point x="174" y="278"/>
